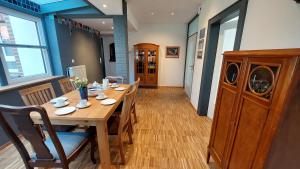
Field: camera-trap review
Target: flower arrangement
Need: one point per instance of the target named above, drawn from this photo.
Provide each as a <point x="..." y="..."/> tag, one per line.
<point x="80" y="83"/>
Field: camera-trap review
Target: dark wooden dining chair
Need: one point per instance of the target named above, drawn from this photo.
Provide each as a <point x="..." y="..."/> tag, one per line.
<point x="37" y="95"/>
<point x="55" y="151"/>
<point x="40" y="94"/>
<point x="120" y="126"/>
<point x="66" y="85"/>
<point x="133" y="107"/>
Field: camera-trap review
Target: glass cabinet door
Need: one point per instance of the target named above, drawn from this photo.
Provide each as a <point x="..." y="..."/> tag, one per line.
<point x="140" y="61"/>
<point x="151" y="63"/>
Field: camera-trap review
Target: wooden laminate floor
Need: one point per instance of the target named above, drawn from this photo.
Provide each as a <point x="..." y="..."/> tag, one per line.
<point x="168" y="135"/>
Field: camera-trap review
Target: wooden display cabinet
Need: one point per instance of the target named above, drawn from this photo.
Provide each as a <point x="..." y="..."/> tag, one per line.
<point x="257" y="96"/>
<point x="146" y="64"/>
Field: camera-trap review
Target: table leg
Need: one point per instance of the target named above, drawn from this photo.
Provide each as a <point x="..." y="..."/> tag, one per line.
<point x="103" y="145"/>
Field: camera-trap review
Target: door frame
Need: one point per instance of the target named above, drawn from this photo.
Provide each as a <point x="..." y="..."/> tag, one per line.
<point x="211" y="49"/>
<point x="186" y="47"/>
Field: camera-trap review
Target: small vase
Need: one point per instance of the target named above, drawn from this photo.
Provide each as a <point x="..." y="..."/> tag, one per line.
<point x="83" y="93"/>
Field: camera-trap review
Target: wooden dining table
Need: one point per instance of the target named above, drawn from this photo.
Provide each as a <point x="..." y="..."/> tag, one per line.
<point x="95" y="115"/>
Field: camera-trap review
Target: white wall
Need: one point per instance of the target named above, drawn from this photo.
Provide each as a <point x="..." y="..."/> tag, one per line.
<point x="110" y="67"/>
<point x="269" y="24"/>
<point x="272" y="24"/>
<point x="170" y="70"/>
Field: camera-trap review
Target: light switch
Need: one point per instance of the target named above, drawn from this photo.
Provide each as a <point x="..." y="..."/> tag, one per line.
<point x="73" y="60"/>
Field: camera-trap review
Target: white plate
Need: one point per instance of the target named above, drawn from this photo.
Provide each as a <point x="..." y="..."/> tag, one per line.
<point x="92" y="94"/>
<point x="114" y="86"/>
<point x="65" y="110"/>
<point x="88" y="104"/>
<point x="108" y="101"/>
<point x="53" y="101"/>
<point x="66" y="103"/>
<point x="120" y="89"/>
<point x="99" y="98"/>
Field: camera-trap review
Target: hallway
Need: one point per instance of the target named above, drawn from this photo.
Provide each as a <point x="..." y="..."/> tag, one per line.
<point x="169" y="135"/>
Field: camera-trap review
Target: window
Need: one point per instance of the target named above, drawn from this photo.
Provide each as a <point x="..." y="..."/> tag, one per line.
<point x="23" y="50"/>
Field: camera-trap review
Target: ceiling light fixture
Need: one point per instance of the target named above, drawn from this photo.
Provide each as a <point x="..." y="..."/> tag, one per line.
<point x="103" y="22"/>
<point x="172" y="13"/>
<point x="152" y="13"/>
<point x="104" y="5"/>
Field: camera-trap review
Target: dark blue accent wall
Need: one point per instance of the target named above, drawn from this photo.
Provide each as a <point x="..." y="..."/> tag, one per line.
<point x="82" y="46"/>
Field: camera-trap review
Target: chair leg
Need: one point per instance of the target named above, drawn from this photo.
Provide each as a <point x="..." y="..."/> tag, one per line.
<point x="130" y="131"/>
<point x="92" y="151"/>
<point x="208" y="157"/>
<point x="134" y="114"/>
<point x="122" y="153"/>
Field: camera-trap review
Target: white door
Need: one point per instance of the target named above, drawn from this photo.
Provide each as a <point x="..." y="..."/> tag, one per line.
<point x="189" y="68"/>
<point x="225" y="43"/>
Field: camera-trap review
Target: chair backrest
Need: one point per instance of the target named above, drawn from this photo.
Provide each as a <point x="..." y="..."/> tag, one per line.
<point x="66" y="85"/>
<point x="113" y="79"/>
<point x="126" y="109"/>
<point x="21" y="117"/>
<point x="136" y="84"/>
<point x="37" y="95"/>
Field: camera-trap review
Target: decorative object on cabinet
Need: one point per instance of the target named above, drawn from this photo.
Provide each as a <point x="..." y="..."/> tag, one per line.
<point x="172" y="51"/>
<point x="146" y="64"/>
<point x="256" y="103"/>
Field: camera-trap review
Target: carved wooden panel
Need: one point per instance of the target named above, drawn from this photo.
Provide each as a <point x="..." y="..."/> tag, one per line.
<point x="223" y="121"/>
<point x="250" y="126"/>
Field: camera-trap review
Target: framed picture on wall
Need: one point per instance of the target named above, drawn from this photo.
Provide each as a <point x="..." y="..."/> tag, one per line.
<point x="199" y="54"/>
<point x="172" y="51"/>
<point x="201" y="44"/>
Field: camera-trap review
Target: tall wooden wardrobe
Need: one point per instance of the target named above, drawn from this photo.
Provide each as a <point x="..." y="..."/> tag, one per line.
<point x="146" y="64"/>
<point x="256" y="122"/>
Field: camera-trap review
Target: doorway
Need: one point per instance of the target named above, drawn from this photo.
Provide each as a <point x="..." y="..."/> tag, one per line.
<point x="190" y="55"/>
<point x="225" y="43"/>
<point x="237" y="12"/>
<point x="189" y="68"/>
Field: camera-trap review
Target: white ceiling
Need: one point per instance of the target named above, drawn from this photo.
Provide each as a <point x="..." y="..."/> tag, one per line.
<point x="108" y="7"/>
<point x="159" y="11"/>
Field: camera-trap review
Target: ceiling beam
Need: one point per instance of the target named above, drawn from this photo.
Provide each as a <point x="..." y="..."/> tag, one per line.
<point x="85" y="16"/>
<point x="81" y="11"/>
<point x="64" y="5"/>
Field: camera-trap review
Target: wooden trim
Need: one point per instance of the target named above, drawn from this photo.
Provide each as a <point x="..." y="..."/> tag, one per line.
<point x="24" y="84"/>
<point x="266" y="53"/>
